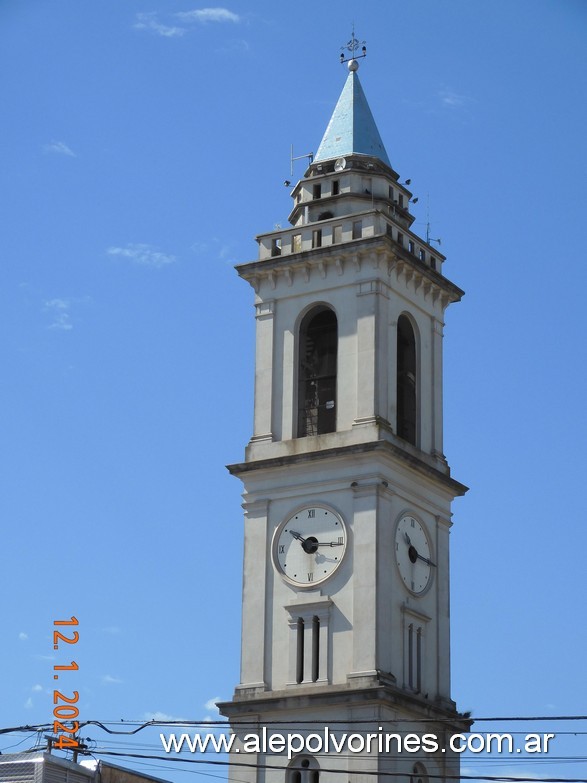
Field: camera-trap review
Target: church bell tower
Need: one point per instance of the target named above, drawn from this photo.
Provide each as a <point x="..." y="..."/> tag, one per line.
<point x="347" y="492"/>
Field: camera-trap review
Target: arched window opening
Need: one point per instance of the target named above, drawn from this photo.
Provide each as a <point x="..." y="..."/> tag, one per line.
<point x="303" y="769"/>
<point x="406" y="380"/>
<point x="317" y="373"/>
<point x="419" y="774"/>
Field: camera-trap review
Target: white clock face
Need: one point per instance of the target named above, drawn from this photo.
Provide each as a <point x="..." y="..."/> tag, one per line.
<point x="412" y="552"/>
<point x="309" y="546"/>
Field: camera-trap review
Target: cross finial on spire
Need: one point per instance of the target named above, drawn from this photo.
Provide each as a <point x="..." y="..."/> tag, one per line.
<point x="352" y="46"/>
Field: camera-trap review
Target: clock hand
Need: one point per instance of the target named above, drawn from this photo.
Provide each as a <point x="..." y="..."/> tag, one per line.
<point x="297" y="536"/>
<point x="329" y="543"/>
<point x="414" y="554"/>
<point x="309" y="545"/>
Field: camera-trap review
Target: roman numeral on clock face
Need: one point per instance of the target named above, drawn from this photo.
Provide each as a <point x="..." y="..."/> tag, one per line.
<point x="311" y="513"/>
<point x="282" y="549"/>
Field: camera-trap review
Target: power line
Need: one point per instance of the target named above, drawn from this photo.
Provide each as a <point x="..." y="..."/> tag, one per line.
<point x="243" y="724"/>
<point x="378" y="773"/>
<point x="141" y="725"/>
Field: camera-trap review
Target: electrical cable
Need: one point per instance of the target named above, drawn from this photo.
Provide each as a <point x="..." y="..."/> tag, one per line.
<point x="378" y="773"/>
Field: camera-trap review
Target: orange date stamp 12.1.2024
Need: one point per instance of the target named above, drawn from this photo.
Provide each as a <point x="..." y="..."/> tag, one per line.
<point x="65" y="711"/>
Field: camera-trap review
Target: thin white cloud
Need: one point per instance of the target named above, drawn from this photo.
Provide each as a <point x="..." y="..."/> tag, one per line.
<point x="108" y="679"/>
<point x="59" y="311"/>
<point x="23" y="636"/>
<point x="28" y="705"/>
<point x="162" y="717"/>
<point x="37" y="688"/>
<point x="211" y="704"/>
<point x="59" y="148"/>
<point x="215" y="247"/>
<point x="238" y="46"/>
<point x="144" y="255"/>
<point x="212" y="709"/>
<point x="205" y="15"/>
<point x="149" y="21"/>
<point x="113" y="630"/>
<point x="452" y="99"/>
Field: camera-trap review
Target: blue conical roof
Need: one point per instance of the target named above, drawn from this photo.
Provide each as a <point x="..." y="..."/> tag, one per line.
<point x="352" y="127"/>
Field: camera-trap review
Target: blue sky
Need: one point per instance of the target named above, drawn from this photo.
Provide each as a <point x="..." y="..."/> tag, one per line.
<point x="143" y="145"/>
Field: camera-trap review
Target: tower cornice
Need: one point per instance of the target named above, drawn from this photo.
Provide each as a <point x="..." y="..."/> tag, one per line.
<point x="379" y="251"/>
<point x="377" y="689"/>
<point x="383" y="447"/>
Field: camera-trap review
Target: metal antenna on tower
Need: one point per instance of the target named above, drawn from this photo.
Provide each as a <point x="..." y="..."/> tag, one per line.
<point x="352" y="46"/>
<point x="309" y="155"/>
<point x="429" y="239"/>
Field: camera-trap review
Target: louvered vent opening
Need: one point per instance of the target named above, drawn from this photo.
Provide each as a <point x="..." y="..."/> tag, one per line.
<point x="55" y="774"/>
<point x="22" y="772"/>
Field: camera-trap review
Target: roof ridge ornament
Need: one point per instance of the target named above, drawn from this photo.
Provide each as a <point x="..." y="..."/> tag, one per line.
<point x="352" y="46"/>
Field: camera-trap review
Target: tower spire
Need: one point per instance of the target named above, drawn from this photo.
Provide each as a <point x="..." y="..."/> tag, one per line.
<point x="352" y="129"/>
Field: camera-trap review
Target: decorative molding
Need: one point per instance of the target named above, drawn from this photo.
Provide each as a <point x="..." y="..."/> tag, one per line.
<point x="416" y="613"/>
<point x="256" y="508"/>
<point x="444" y="521"/>
<point x="369" y="675"/>
<point x="265" y="309"/>
<point x="251" y="689"/>
<point x="316" y="606"/>
<point x="437" y="326"/>
<point x="373" y="286"/>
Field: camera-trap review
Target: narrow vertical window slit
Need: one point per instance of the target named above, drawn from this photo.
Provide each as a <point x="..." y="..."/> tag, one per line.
<point x="300" y="652"/>
<point x="419" y="660"/>
<point x="315" y="649"/>
<point x="411" y="655"/>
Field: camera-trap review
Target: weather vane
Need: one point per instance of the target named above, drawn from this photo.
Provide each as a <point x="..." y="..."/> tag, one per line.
<point x="352" y="46"/>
